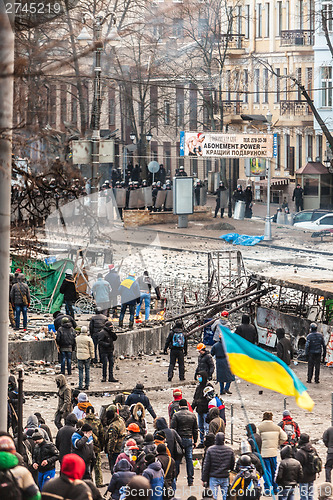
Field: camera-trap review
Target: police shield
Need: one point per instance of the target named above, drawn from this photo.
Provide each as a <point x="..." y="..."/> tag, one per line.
<point x="160" y="199"/>
<point x="147" y="193"/>
<point x="203" y="196"/>
<point x="136" y="199"/>
<point x="120" y="197"/>
<point x="224" y="198"/>
<point x="168" y="200"/>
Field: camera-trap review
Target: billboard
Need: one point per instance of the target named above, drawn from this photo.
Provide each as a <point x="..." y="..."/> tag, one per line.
<point x="218" y="145"/>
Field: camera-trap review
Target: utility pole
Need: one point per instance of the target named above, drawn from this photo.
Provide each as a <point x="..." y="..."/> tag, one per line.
<point x="6" y="124"/>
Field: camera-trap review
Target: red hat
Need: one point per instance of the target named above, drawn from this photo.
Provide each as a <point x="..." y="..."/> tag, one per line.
<point x="177" y="392"/>
<point x="130" y="442"/>
<point x="7" y="444"/>
<point x="225" y="314"/>
<point x="133" y="428"/>
<point x="18" y="270"/>
<point x="73" y="466"/>
<point x="111" y="266"/>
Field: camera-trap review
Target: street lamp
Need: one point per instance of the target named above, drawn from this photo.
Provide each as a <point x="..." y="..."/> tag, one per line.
<point x="112" y="37"/>
<point x="268" y="226"/>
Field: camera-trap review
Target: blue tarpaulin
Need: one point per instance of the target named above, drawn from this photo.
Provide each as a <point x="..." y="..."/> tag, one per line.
<point x="241" y="239"/>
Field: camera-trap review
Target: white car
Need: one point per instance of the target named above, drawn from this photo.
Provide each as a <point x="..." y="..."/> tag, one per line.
<point x="324" y="222"/>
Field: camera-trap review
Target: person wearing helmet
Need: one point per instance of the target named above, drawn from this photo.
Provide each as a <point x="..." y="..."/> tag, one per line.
<point x="214" y="401"/>
<point x="180" y="172"/>
<point x="221" y="199"/>
<point x="133" y="432"/>
<point x="68" y="289"/>
<point x="205" y="362"/>
<point x="248" y="202"/>
<point x="315" y="349"/>
<point x="223" y="373"/>
<point x="246" y="483"/>
<point x="248" y="457"/>
<point x="237" y="195"/>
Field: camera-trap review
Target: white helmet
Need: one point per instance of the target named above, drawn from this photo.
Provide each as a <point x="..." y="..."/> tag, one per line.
<point x="69" y="271"/>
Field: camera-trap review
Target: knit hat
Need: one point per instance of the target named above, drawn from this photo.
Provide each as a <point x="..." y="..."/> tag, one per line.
<point x="73" y="466"/>
<point x="177" y="392"/>
<point x="18" y="270"/>
<point x="7" y="444"/>
<point x="161" y="448"/>
<point x="111" y="266"/>
<point x="286" y="413"/>
<point x="84" y="329"/>
<point x="133" y="428"/>
<point x="82" y="397"/>
<point x="303" y="439"/>
<point x="160" y="435"/>
<point x="86" y="428"/>
<point x="149" y="458"/>
<point x="183" y="402"/>
<point x="139" y="386"/>
<point x="37" y="435"/>
<point x="149" y="438"/>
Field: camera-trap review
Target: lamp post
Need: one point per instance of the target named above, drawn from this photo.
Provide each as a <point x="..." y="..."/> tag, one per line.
<point x="268" y="226"/>
<point x="98" y="41"/>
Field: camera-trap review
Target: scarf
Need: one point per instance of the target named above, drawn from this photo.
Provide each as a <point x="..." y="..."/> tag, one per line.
<point x="84" y="406"/>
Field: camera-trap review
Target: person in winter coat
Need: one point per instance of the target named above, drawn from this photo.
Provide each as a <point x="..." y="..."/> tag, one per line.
<point x="291" y="428"/>
<point x="173" y="440"/>
<point x="205" y="362"/>
<point x="133" y="432"/>
<point x="219" y="461"/>
<point x="138" y="414"/>
<point x="64" y="436"/>
<point x="246" y="482"/>
<point x="22" y="478"/>
<point x="80" y="410"/>
<point x="174" y="405"/>
<point x="57" y="317"/>
<point x="155" y="475"/>
<point x="101" y="291"/>
<point x="247" y="331"/>
<point x="64" y="400"/>
<point x="84" y="354"/>
<point x="146" y="283"/>
<point x="32" y="424"/>
<point x="298" y="198"/>
<point x="148" y="446"/>
<point x="255" y="460"/>
<point x="12" y="399"/>
<point x="315" y="349"/>
<point x="83" y="446"/>
<point x="114" y="435"/>
<point x="129" y="292"/>
<point x="177" y="343"/>
<point x="113" y="279"/>
<point x="122" y="474"/>
<point x="106" y="338"/>
<point x="221" y="200"/>
<point x="253" y="438"/>
<point x="44" y="457"/>
<point x="216" y="423"/>
<point x="328" y="442"/>
<point x="96" y="324"/>
<point x="169" y="469"/>
<point x="68" y="289"/>
<point x="272" y="438"/>
<point x="288" y="474"/>
<point x="130" y="453"/>
<point x="186" y="425"/>
<point x="200" y="404"/>
<point x="223" y="373"/>
<point x="66" y="342"/>
<point x="215" y="402"/>
<point x="248" y="202"/>
<point x="99" y="441"/>
<point x="284" y="349"/>
<point x="303" y="454"/>
<point x="138" y="487"/>
<point x="68" y="486"/>
<point x="42" y="425"/>
<point x="20" y="300"/>
<point x="138" y="396"/>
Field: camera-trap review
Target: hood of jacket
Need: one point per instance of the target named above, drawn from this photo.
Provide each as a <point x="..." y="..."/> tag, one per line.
<point x="286" y="452"/>
<point x="156" y="466"/>
<point x="71" y="419"/>
<point x="8" y="460"/>
<point x="249" y="428"/>
<point x="213" y="413"/>
<point x="204" y="377"/>
<point x="306" y="447"/>
<point x="161" y="423"/>
<point x="219" y="438"/>
<point x="245" y="319"/>
<point x="287" y="419"/>
<point x="12" y="382"/>
<point x="83" y="334"/>
<point x="123" y="465"/>
<point x="61" y="378"/>
<point x="32" y="422"/>
<point x="139" y="406"/>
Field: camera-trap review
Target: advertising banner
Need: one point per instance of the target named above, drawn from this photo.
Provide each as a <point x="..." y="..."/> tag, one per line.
<point x="218" y="145"/>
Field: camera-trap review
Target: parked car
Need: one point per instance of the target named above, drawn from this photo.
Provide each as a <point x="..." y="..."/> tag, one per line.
<point x="310" y="215"/>
<point x="324" y="222"/>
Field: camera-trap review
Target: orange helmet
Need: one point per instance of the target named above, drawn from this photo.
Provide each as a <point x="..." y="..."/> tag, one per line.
<point x="133" y="428"/>
<point x="225" y="314"/>
<point x="7" y="444"/>
<point x="201" y="346"/>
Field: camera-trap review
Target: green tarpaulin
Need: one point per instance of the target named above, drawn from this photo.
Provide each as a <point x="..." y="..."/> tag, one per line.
<point x="43" y="278"/>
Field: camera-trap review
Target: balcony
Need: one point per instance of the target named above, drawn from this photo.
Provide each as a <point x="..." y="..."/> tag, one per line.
<point x="232" y="107"/>
<point x="294" y="108"/>
<point x="232" y="41"/>
<point x="297" y="37"/>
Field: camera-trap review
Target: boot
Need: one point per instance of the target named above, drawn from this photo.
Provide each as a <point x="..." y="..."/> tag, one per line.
<point x="131" y="323"/>
<point x="112" y="379"/>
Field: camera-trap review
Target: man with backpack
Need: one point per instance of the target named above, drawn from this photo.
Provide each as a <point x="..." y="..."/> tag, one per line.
<point x="291" y="428"/>
<point x="174" y="406"/>
<point x="246" y="483"/>
<point x="177" y="342"/>
<point x="308" y="457"/>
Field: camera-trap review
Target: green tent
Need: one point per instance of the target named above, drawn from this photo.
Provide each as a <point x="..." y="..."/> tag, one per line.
<point x="44" y="279"/>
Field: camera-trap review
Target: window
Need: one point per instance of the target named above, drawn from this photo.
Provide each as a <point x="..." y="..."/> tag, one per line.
<point x="246" y="86"/>
<point x="247" y="21"/>
<point x="256" y="85"/>
<point x="166" y="113"/>
<point x="74" y="105"/>
<point x="158" y="28"/>
<point x="277" y="85"/>
<point x="167" y="156"/>
<point x="180" y="107"/>
<point x="178" y="28"/>
<point x="311" y="186"/>
<point x="193" y="107"/>
<point x="299" y="146"/>
<point x="153" y="106"/>
<point x="202" y="27"/>
<point x="279" y="17"/>
<point x="326" y="85"/>
<point x="206" y="106"/>
<point x="309" y="80"/>
<point x="278" y="156"/>
<point x="301" y="13"/>
<point x="258" y="20"/>
<point x="309" y="152"/>
<point x="239" y="20"/>
<point x="327" y="220"/>
<point x="228" y="84"/>
<point x="286" y="151"/>
<point x="267" y="19"/>
<point x="285" y="90"/>
<point x="265" y="85"/>
<point x="287" y="15"/>
<point x="319" y="147"/>
<point x="112" y="110"/>
<point x="328" y="14"/>
<point x="63" y="103"/>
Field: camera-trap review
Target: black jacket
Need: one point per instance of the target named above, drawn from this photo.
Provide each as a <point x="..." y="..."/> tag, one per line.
<point x="138" y="396"/>
<point x="64" y="489"/>
<point x="253" y="438"/>
<point x="106" y="337"/>
<point x="289" y="471"/>
<point x="328" y="439"/>
<point x="200" y="402"/>
<point x="297" y="194"/>
<point x="96" y="324"/>
<point x="57" y="321"/>
<point x="205" y="364"/>
<point x="169" y="341"/>
<point x="248" y="332"/>
<point x="219" y="460"/>
<point x="302" y="455"/>
<point x="66" y="337"/>
<point x="315" y="344"/>
<point x="185" y="423"/>
<point x="171" y="436"/>
<point x="284" y="350"/>
<point x="85" y="450"/>
<point x="69" y="290"/>
<point x="64" y="437"/>
<point x="45" y="451"/>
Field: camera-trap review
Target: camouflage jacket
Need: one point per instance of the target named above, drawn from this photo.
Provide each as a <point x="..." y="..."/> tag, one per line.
<point x="115" y="434"/>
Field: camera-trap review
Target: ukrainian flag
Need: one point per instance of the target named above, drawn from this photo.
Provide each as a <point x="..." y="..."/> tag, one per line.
<point x="260" y="367"/>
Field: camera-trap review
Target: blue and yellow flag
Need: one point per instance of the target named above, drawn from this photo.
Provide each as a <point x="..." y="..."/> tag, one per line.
<point x="260" y="367"/>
